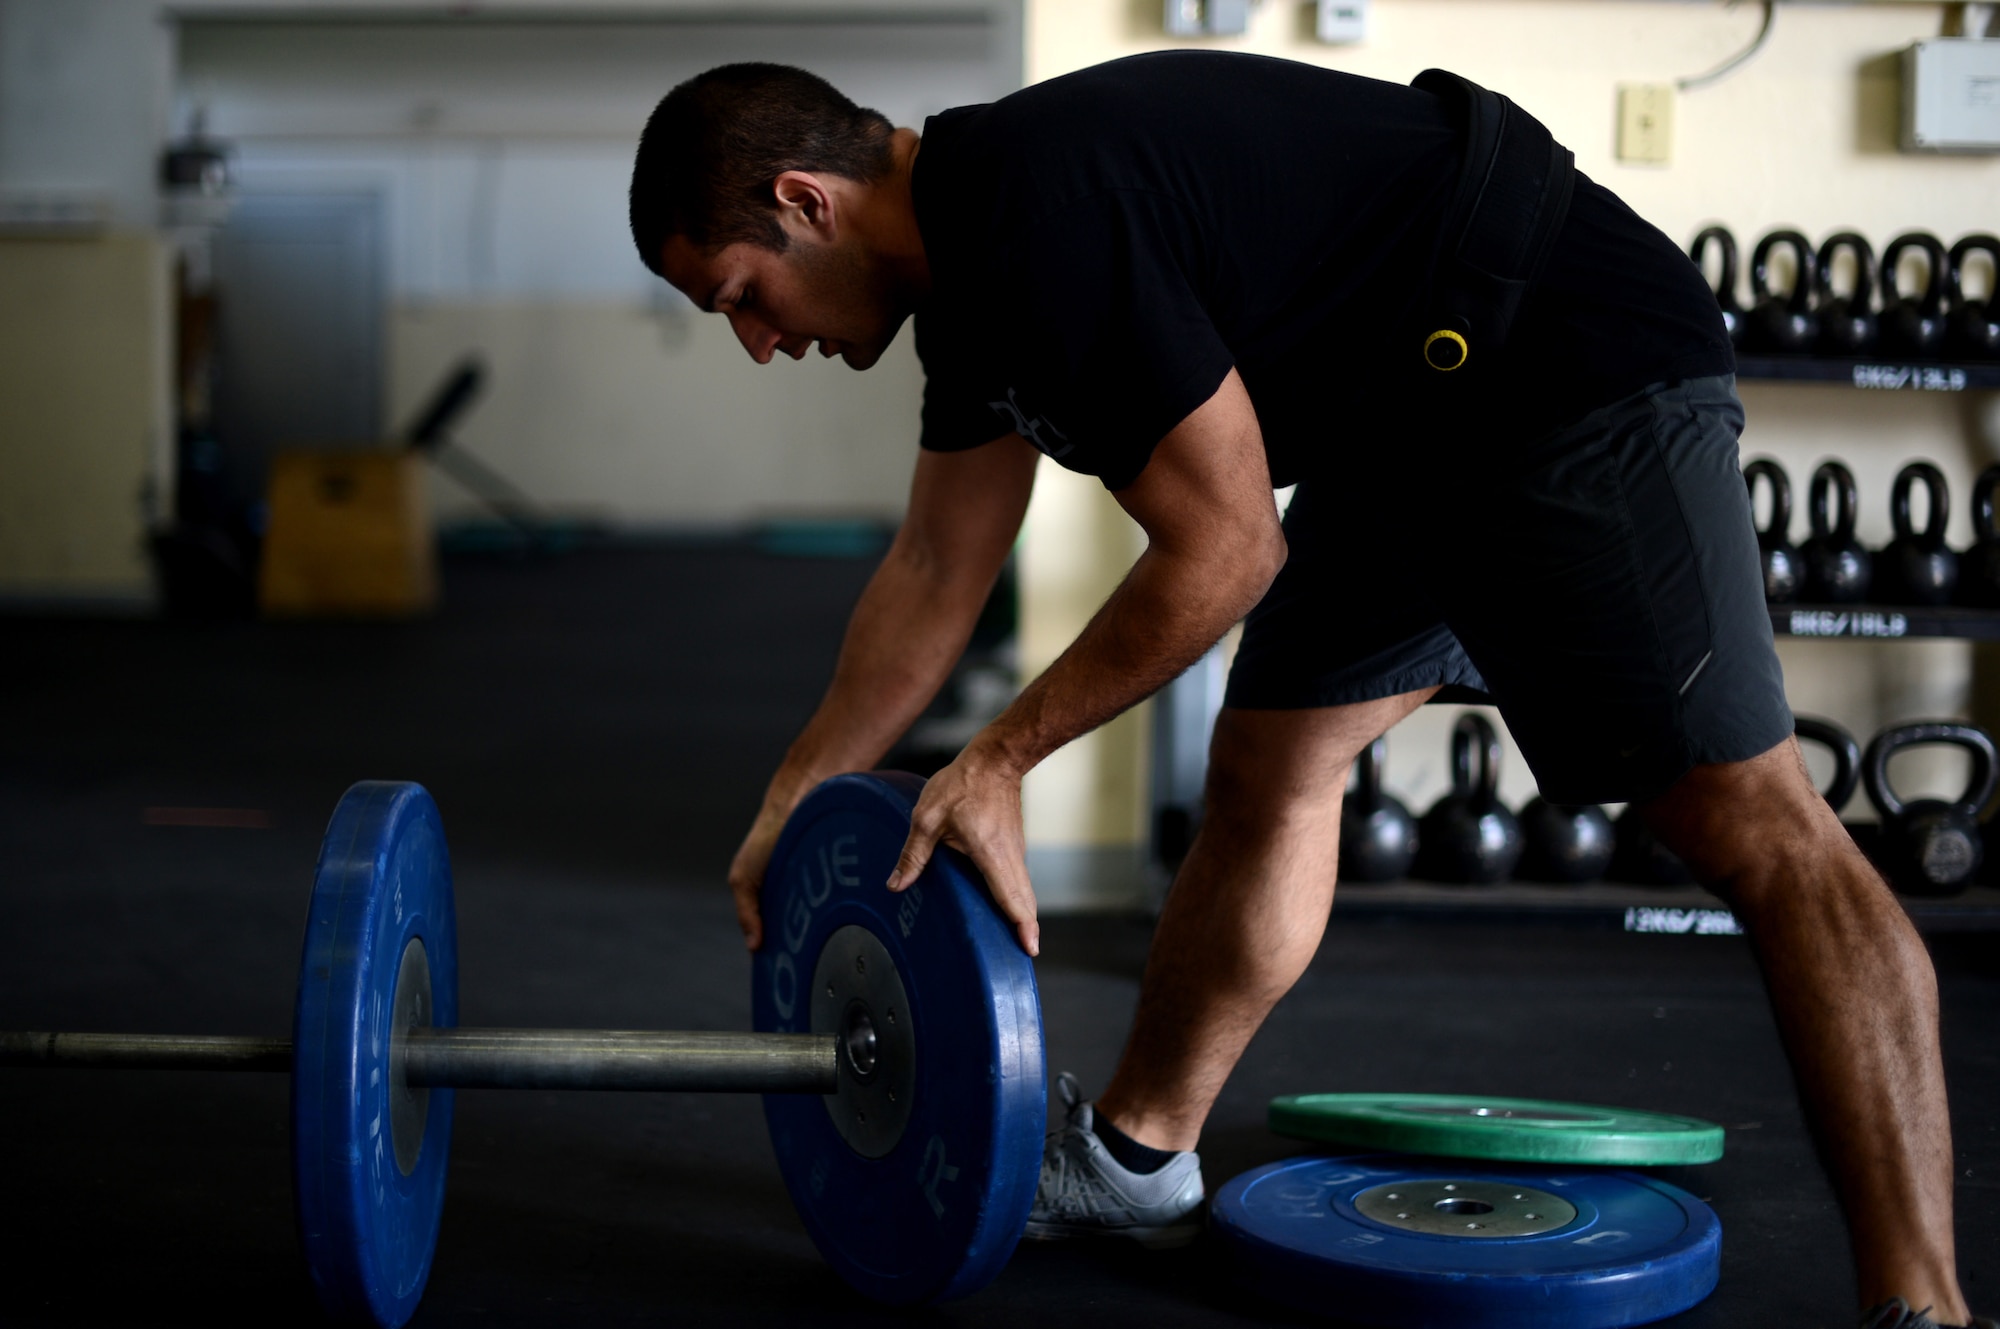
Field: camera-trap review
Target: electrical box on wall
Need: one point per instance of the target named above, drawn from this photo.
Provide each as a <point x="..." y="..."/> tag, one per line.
<point x="1207" y="18"/>
<point x="1341" y="22"/>
<point x="1951" y="96"/>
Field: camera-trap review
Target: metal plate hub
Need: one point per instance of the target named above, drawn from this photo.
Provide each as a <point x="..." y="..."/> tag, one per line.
<point x="857" y="993"/>
<point x="1474" y="1209"/>
<point x="1551" y="1113"/>
<point x="409" y="1109"/>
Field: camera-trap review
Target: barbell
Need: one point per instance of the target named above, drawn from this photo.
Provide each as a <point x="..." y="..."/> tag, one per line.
<point x="898" y="1043"/>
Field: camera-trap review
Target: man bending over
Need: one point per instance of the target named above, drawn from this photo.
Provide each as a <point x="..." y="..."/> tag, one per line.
<point x="1508" y="405"/>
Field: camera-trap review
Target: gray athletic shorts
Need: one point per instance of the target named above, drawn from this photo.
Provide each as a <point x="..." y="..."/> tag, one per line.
<point x="1601" y="585"/>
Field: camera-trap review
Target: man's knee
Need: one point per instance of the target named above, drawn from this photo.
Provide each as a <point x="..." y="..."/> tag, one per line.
<point x="1741" y="825"/>
<point x="1253" y="777"/>
<point x="1272" y="766"/>
<point x="1272" y="762"/>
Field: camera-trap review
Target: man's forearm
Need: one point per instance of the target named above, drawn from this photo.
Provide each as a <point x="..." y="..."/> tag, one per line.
<point x="1163" y="617"/>
<point x="1214" y="545"/>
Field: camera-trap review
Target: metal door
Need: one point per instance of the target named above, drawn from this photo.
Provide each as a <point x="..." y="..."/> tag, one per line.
<point x="300" y="295"/>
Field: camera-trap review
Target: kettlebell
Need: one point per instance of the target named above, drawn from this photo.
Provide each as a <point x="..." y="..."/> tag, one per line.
<point x="1774" y="542"/>
<point x="1979" y="566"/>
<point x="1469" y="835"/>
<point x="1378" y="836"/>
<point x="1725" y="280"/>
<point x="1568" y="844"/>
<point x="1913" y="325"/>
<point x="1846" y="756"/>
<point x="1837" y="568"/>
<point x="1929" y="846"/>
<point x="1847" y="323"/>
<point x="1917" y="567"/>
<point x="1972" y="328"/>
<point x="1783" y="324"/>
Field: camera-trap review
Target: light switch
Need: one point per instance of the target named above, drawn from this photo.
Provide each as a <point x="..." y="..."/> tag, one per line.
<point x="1646" y="122"/>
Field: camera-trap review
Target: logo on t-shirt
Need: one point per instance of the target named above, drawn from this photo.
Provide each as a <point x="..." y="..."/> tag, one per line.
<point x="1032" y="429"/>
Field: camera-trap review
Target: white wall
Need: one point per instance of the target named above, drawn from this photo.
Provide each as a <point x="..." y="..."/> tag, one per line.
<point x="85" y="428"/>
<point x="647" y="418"/>
<point x="503" y="151"/>
<point x="84" y="86"/>
<point x="500" y="137"/>
<point x="83" y="412"/>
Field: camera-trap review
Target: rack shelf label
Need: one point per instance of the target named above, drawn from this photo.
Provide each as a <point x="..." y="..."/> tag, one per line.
<point x="1847" y="623"/>
<point x="1687" y="922"/>
<point x="1912" y="378"/>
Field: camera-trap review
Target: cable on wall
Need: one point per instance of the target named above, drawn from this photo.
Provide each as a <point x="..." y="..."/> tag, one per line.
<point x="1735" y="62"/>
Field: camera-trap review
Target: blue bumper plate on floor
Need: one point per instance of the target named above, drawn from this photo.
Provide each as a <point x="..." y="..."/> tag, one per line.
<point x="381" y="956"/>
<point x="1444" y="1243"/>
<point x="916" y="1177"/>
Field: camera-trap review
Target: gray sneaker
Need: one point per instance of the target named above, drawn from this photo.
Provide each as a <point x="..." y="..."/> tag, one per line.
<point x="1085" y="1192"/>
<point x="1896" y="1313"/>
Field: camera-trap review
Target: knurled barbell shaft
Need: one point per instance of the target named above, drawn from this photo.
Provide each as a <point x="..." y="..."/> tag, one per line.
<point x="488" y="1058"/>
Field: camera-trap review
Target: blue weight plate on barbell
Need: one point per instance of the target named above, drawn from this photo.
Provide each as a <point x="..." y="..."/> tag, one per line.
<point x="381" y="954"/>
<point x="916" y="1178"/>
<point x="1433" y="1243"/>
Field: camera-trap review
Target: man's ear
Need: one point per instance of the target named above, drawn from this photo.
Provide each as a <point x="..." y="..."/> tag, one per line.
<point x="805" y="206"/>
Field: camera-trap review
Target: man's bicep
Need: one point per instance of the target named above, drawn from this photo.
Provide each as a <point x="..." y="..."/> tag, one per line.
<point x="1207" y="487"/>
<point x="966" y="507"/>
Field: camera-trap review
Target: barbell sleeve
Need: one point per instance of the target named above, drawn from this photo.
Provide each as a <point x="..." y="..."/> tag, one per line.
<point x="699" y="1062"/>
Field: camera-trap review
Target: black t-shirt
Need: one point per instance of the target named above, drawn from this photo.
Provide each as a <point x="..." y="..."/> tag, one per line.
<point x="1106" y="245"/>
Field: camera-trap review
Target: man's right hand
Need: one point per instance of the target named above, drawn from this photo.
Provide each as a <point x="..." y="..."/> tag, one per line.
<point x="746" y="870"/>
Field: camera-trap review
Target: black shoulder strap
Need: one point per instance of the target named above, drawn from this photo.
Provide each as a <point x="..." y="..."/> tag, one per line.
<point x="1512" y="195"/>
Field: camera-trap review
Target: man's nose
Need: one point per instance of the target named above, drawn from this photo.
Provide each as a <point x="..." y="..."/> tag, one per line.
<point x="758" y="338"/>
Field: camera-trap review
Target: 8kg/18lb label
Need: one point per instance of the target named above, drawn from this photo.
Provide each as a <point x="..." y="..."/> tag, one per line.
<point x="1847" y="623"/>
<point x="1910" y="378"/>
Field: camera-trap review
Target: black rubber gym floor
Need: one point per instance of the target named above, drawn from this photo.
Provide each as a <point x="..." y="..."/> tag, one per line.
<point x="597" y="728"/>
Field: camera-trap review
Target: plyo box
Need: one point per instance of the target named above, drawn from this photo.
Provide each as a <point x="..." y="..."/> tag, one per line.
<point x="350" y="536"/>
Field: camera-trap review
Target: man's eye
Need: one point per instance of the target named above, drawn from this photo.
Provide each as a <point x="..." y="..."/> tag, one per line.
<point x="745" y="299"/>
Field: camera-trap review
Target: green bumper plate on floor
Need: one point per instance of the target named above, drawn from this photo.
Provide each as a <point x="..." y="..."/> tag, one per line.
<point x="1515" y="1130"/>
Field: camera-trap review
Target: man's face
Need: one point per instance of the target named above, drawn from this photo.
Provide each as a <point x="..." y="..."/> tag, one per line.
<point x="784" y="302"/>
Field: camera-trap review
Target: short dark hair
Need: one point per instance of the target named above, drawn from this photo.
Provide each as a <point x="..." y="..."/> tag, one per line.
<point x="714" y="145"/>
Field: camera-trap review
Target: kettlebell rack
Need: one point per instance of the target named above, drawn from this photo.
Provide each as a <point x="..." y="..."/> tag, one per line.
<point x="1580" y="866"/>
<point x="1615" y="906"/>
<point x="1875" y="375"/>
<point x="1978" y="908"/>
<point x="1868" y="622"/>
